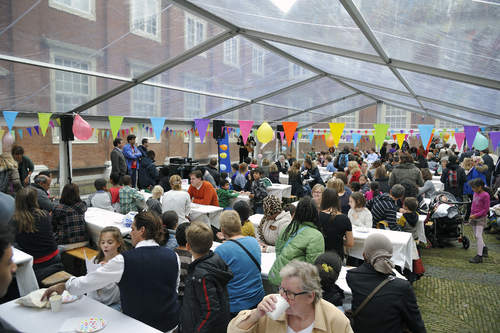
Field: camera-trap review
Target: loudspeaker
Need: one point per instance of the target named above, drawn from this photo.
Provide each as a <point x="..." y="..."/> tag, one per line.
<point x="67" y="128"/>
<point x="218" y="125"/>
<point x="279" y="128"/>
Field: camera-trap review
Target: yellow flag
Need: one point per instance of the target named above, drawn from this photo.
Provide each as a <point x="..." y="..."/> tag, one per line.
<point x="401" y="139"/>
<point x="336" y="130"/>
<point x="43" y="119"/>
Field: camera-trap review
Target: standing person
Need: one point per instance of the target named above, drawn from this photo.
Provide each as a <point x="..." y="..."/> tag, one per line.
<point x="205" y="306"/>
<point x="139" y="277"/>
<point x="201" y="191"/>
<point x="148" y="173"/>
<point x="242" y="255"/>
<point x="454" y="177"/>
<point x="240" y="179"/>
<point x="258" y="192"/>
<point x="9" y="175"/>
<point x="118" y="163"/>
<point x="275" y="220"/>
<point x="359" y="215"/>
<point x="25" y="165"/>
<point x="177" y="200"/>
<point x="488" y="161"/>
<point x="301" y="240"/>
<point x="336" y="227"/>
<point x="143" y="148"/>
<point x="478" y="217"/>
<point x="383" y="151"/>
<point x="243" y="149"/>
<point x="406" y="170"/>
<point x="132" y="156"/>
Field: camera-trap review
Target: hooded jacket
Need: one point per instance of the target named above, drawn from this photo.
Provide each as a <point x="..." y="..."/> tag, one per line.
<point x="205" y="306"/>
<point x="461" y="179"/>
<point x="406" y="171"/>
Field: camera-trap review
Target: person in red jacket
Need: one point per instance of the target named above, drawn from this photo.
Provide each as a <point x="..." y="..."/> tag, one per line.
<point x="201" y="191"/>
<point x="354" y="171"/>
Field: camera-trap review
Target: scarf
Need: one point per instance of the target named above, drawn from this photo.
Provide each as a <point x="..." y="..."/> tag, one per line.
<point x="378" y="253"/>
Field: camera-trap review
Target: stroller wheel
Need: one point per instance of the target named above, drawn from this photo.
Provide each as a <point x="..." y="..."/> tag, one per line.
<point x="465" y="242"/>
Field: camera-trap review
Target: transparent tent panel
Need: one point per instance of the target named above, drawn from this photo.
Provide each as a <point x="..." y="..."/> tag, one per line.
<point x="235" y="68"/>
<point x="463" y="94"/>
<point x="344" y="105"/>
<point x="385" y="94"/>
<point x="320" y="21"/>
<point x="462" y="36"/>
<point x="469" y="116"/>
<point x="346" y="67"/>
<point x="114" y="43"/>
<point x="315" y="93"/>
<point x="256" y="112"/>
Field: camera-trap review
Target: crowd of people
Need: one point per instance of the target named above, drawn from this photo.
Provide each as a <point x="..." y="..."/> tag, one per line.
<point x="210" y="279"/>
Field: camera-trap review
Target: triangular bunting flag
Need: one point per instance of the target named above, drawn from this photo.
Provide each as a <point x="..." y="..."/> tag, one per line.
<point x="2" y="132"/>
<point x="380" y="133"/>
<point x="282" y="136"/>
<point x="43" y="120"/>
<point x="355" y="138"/>
<point x="425" y="133"/>
<point x="401" y="138"/>
<point x="115" y="122"/>
<point x="10" y="118"/>
<point x="470" y="134"/>
<point x="37" y="129"/>
<point x="495" y="139"/>
<point x="201" y="126"/>
<point x="20" y="131"/>
<point x="289" y="128"/>
<point x="29" y="131"/>
<point x="157" y="124"/>
<point x="311" y="137"/>
<point x="245" y="128"/>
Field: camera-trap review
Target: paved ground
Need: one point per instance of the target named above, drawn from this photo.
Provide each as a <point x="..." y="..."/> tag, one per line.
<point x="456" y="296"/>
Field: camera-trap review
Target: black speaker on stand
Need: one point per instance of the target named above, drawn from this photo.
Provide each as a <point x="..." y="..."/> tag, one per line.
<point x="218" y="125"/>
<point x="67" y="128"/>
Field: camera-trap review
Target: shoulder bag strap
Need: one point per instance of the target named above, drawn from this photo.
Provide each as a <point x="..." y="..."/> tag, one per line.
<point x="370" y="296"/>
<point x="247" y="252"/>
<point x="291" y="237"/>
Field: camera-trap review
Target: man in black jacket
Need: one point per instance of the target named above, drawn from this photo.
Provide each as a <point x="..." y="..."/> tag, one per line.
<point x="488" y="161"/>
<point x="118" y="163"/>
<point x="453" y="178"/>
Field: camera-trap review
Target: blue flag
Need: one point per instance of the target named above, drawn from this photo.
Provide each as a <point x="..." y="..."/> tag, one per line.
<point x="355" y="138"/>
<point x="425" y="133"/>
<point x="158" y="123"/>
<point x="10" y="118"/>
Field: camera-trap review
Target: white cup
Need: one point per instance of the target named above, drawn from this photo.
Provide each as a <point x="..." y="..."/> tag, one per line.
<point x="55" y="303"/>
<point x="281" y="306"/>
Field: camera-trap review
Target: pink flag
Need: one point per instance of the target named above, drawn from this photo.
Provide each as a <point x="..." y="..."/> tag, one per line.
<point x="245" y="128"/>
<point x="282" y="135"/>
<point x="459" y="138"/>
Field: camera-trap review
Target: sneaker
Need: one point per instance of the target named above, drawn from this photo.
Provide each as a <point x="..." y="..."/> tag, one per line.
<point x="476" y="260"/>
<point x="485" y="252"/>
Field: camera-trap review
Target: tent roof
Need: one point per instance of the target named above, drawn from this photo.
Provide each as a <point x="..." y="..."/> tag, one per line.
<point x="265" y="60"/>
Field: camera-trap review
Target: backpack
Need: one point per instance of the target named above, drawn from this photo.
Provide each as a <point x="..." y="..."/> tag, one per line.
<point x="452" y="179"/>
<point x="343" y="159"/>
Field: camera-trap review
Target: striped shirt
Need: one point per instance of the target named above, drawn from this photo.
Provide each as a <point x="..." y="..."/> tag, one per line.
<point x="383" y="208"/>
<point x="185" y="258"/>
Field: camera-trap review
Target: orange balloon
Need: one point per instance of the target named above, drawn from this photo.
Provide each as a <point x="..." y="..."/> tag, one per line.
<point x="446" y="136"/>
<point x="330" y="142"/>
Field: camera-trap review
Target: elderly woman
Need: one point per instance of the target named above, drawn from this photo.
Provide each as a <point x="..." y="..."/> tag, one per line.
<point x="308" y="312"/>
<point x="301" y="240"/>
<point x="274" y="221"/>
<point x="317" y="192"/>
<point x="394" y="306"/>
<point x="177" y="200"/>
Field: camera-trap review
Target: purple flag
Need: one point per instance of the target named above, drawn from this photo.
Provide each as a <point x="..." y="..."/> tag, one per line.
<point x="495" y="139"/>
<point x="29" y="130"/>
<point x="37" y="129"/>
<point x="470" y="134"/>
<point x="295" y="136"/>
<point x="201" y="126"/>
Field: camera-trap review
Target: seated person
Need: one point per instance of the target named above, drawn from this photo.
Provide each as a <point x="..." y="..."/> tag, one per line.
<point x="185" y="256"/>
<point x="34" y="234"/>
<point x="101" y="198"/>
<point x="201" y="191"/>
<point x="41" y="185"/>
<point x="364" y="183"/>
<point x="240" y="177"/>
<point x="394" y="306"/>
<point x="153" y="203"/>
<point x="282" y="164"/>
<point x="170" y="221"/>
<point x="130" y="199"/>
<point x="68" y="219"/>
<point x="408" y="221"/>
<point x="177" y="200"/>
<point x="359" y="215"/>
<point x="275" y="220"/>
<point x="224" y="194"/>
<point x="329" y="166"/>
<point x="114" y="190"/>
<point x="164" y="181"/>
<point x="355" y="187"/>
<point x="329" y="266"/>
<point x="274" y="175"/>
<point x="384" y="208"/>
<point x="242" y="255"/>
<point x="301" y="288"/>
<point x="243" y="210"/>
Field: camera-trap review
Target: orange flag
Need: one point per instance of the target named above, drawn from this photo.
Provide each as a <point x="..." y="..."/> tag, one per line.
<point x="289" y="128"/>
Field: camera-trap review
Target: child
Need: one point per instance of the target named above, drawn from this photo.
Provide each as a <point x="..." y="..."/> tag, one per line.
<point x="329" y="265"/>
<point x="373" y="192"/>
<point x="130" y="199"/>
<point x="110" y="244"/>
<point x="114" y="190"/>
<point x="359" y="215"/>
<point x="101" y="198"/>
<point x="355" y="186"/>
<point x="409" y="219"/>
<point x="225" y="194"/>
<point x="170" y="221"/>
<point x="153" y="203"/>
<point x="258" y="192"/>
<point x="365" y="185"/>
<point x="478" y="217"/>
<point x="243" y="210"/>
<point x="184" y="255"/>
<point x="205" y="305"/>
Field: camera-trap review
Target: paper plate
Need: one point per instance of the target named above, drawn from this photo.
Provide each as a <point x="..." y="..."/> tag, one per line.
<point x="68" y="298"/>
<point x="91" y="324"/>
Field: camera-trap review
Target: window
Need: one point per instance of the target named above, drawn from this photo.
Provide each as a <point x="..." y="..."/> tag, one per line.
<point x="296" y="71"/>
<point x="194" y="104"/>
<point x="145" y="99"/>
<point x="396" y="118"/>
<point x="195" y="32"/>
<point x="83" y="8"/>
<point x="145" y="18"/>
<point x="446" y="124"/>
<point x="232" y="52"/>
<point x="350" y="120"/>
<point x="232" y="91"/>
<point x="69" y="89"/>
<point x="258" y="60"/>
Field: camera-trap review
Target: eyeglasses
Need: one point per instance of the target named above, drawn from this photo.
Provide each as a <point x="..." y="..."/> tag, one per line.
<point x="290" y="294"/>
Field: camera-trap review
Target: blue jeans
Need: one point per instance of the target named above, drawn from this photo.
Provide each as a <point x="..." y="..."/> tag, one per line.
<point x="133" y="174"/>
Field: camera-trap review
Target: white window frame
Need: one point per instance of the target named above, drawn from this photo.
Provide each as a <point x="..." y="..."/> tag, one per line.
<point x="196" y="41"/>
<point x="203" y="101"/>
<point x="143" y="134"/>
<point x="348" y="126"/>
<point x="257" y="54"/>
<point x="231" y="52"/>
<point x="90" y="15"/>
<point x="156" y="37"/>
<point x="384" y="113"/>
<point x="442" y="124"/>
<point x="291" y="71"/>
<point x="136" y="68"/>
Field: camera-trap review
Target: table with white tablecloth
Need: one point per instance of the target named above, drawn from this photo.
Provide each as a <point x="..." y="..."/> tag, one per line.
<point x="420" y="227"/>
<point x="31" y="320"/>
<point x="280" y="190"/>
<point x="25" y="275"/>
<point x="206" y="213"/>
<point x="98" y="218"/>
<point x="325" y="175"/>
<point x="240" y="197"/>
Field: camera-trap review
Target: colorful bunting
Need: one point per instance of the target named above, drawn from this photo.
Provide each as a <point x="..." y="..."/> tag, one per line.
<point x="495" y="139"/>
<point x="355" y="138"/>
<point x="20" y="131"/>
<point x="37" y="129"/>
<point x="289" y="128"/>
<point x="336" y="130"/>
<point x="425" y="133"/>
<point x="10" y="118"/>
<point x="380" y="133"/>
<point x="157" y="124"/>
<point x="201" y="126"/>
<point x="115" y="122"/>
<point x="29" y="131"/>
<point x="43" y="120"/>
<point x="400" y="138"/>
<point x="245" y="128"/>
<point x="470" y="134"/>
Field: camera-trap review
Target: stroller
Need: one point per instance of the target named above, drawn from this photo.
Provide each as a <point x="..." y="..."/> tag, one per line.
<point x="445" y="220"/>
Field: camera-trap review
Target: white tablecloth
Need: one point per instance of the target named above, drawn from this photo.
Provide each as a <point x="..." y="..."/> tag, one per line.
<point x="420" y="227"/>
<point x="32" y="320"/>
<point x="206" y="213"/>
<point x="25" y="276"/>
<point x="280" y="190"/>
<point x="403" y="245"/>
<point x="438" y="185"/>
<point x="97" y="219"/>
<point x="325" y="175"/>
<point x="241" y="197"/>
<point x="255" y="219"/>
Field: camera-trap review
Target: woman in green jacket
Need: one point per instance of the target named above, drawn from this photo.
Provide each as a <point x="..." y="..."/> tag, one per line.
<point x="301" y="240"/>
